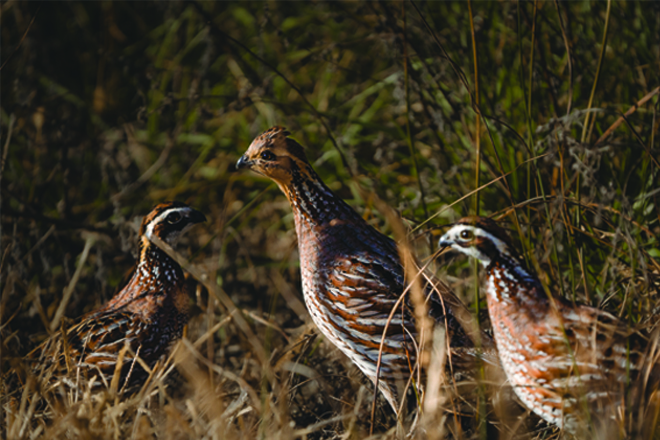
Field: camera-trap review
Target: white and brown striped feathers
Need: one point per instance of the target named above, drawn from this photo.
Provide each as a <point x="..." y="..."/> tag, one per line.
<point x="143" y="320"/>
<point x="352" y="275"/>
<point x="566" y="362"/>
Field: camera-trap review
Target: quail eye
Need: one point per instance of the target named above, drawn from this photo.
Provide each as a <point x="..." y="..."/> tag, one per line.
<point x="267" y="155"/>
<point x="466" y="235"/>
<point x="173" y="217"/>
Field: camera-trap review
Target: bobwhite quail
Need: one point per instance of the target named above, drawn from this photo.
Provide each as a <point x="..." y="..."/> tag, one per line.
<point x="570" y="364"/>
<point x="147" y="316"/>
<point x="352" y="275"/>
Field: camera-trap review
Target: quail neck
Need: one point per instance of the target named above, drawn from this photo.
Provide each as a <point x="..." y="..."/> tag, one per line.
<point x="154" y="278"/>
<point x="352" y="275"/>
<point x="148" y="315"/>
<point x="157" y="278"/>
<point x="560" y="358"/>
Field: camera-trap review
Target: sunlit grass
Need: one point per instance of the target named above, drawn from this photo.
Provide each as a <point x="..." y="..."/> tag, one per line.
<point x="109" y="108"/>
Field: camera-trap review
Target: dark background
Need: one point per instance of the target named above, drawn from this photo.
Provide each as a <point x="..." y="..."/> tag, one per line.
<point x="110" y="108"/>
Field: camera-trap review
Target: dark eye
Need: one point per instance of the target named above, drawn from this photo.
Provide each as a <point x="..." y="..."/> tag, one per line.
<point x="267" y="155"/>
<point x="466" y="235"/>
<point x="173" y="217"/>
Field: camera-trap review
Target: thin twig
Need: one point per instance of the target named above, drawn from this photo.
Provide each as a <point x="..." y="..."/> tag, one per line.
<point x="570" y="60"/>
<point x="477" y="136"/>
<point x="481" y="406"/>
<point x="457" y="70"/>
<point x="220" y="294"/>
<point x="5" y="150"/>
<point x="409" y="134"/>
<point x="485" y="185"/>
<point x="22" y="38"/>
<point x="147" y="174"/>
<point x="210" y="332"/>
<point x="639" y="139"/>
<point x="461" y="76"/>
<point x="39" y="243"/>
<point x="600" y="63"/>
<point x="90" y="240"/>
<point x="630" y="111"/>
<point x="226" y="36"/>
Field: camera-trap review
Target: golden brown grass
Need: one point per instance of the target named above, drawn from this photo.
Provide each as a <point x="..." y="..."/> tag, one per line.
<point x="111" y="107"/>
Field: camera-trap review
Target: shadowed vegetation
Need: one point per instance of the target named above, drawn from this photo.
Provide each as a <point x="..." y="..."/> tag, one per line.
<point x="110" y="108"/>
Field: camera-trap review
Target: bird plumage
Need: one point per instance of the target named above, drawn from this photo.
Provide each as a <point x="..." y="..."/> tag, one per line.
<point x="146" y="316"/>
<point x="352" y="275"/>
<point x="566" y="362"/>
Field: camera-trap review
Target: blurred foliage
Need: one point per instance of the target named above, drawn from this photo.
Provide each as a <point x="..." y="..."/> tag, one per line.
<point x="111" y="107"/>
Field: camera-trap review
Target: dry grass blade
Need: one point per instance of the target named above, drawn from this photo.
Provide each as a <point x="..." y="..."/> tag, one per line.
<point x="112" y="107"/>
<point x="434" y="400"/>
<point x="5" y="149"/>
<point x="89" y="242"/>
<point x="468" y="195"/>
<point x="219" y="293"/>
<point x="585" y="125"/>
<point x="629" y="112"/>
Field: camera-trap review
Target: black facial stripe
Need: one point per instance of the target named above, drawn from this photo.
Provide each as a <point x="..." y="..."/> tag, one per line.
<point x="486" y="247"/>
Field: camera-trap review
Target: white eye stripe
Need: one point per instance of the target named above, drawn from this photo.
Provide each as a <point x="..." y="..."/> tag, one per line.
<point x="473" y="247"/>
<point x="183" y="210"/>
<point x="478" y="232"/>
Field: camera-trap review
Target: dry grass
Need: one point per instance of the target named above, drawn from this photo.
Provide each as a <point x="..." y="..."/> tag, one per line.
<point x="109" y="108"/>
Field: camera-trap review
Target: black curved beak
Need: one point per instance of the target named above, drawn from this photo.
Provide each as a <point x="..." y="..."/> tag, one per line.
<point x="243" y="162"/>
<point x="196" y="216"/>
<point x="444" y="242"/>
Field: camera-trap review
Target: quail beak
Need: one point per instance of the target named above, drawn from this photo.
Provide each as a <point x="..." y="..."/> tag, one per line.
<point x="197" y="217"/>
<point x="444" y="242"/>
<point x="243" y="162"/>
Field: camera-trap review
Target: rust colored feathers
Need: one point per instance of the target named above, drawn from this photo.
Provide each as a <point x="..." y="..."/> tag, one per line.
<point x="139" y="324"/>
<point x="352" y="275"/>
<point x="568" y="363"/>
